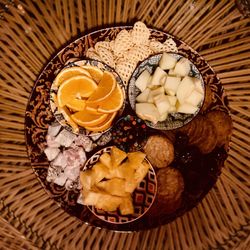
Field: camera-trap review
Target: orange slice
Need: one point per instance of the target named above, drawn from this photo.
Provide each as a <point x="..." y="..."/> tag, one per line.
<point x="111" y="104"/>
<point x="95" y="72"/>
<point x="68" y="73"/>
<point x="104" y="125"/>
<point x="84" y="118"/>
<point x="105" y="88"/>
<point x="75" y="87"/>
<point x="76" y="104"/>
<point x="66" y="114"/>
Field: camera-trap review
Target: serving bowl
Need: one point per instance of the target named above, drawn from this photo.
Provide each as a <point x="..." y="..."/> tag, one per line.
<point x="174" y="119"/>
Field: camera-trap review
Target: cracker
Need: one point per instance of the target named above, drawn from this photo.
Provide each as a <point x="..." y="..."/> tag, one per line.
<point x="170" y="45"/>
<point x="102" y="44"/>
<point x="106" y="56"/>
<point x="91" y="53"/>
<point x="122" y="42"/>
<point x="125" y="69"/>
<point x="138" y="53"/>
<point x="140" y="33"/>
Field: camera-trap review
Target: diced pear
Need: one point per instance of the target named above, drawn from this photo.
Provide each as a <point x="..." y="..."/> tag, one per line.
<point x="143" y="96"/>
<point x="184" y="89"/>
<point x="126" y="206"/>
<point x="171" y="84"/>
<point x="198" y="86"/>
<point x="182" y="67"/>
<point x="167" y="61"/>
<point x="155" y="92"/>
<point x="163" y="117"/>
<point x="143" y="80"/>
<point x="158" y="77"/>
<point x="117" y="156"/>
<point x="162" y="104"/>
<point x="172" y="109"/>
<point x="187" y="108"/>
<point x="195" y="98"/>
<point x="171" y="72"/>
<point x="147" y="111"/>
<point x="172" y="100"/>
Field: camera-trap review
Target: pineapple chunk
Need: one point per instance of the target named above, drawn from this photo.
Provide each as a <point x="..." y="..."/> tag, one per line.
<point x="105" y="159"/>
<point x="141" y="172"/>
<point x="117" y="156"/>
<point x="115" y="186"/>
<point x="135" y="159"/>
<point x="87" y="179"/>
<point x="126" y="206"/>
<point x="108" y="202"/>
<point x="90" y="198"/>
<point x="130" y="185"/>
<point x="125" y="171"/>
<point x="100" y="172"/>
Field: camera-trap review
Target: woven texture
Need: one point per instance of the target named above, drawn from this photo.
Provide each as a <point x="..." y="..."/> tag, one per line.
<point x="31" y="32"/>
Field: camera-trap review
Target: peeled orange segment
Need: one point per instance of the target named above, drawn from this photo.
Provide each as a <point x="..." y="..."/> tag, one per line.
<point x="84" y="118"/>
<point x="66" y="114"/>
<point x="67" y="73"/>
<point x="75" y="87"/>
<point x="105" y="88"/>
<point x="76" y="104"/>
<point x="95" y="72"/>
<point x="114" y="102"/>
<point x="104" y="125"/>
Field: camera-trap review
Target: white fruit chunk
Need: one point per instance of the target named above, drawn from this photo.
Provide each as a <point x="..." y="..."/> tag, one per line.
<point x="162" y="104"/>
<point x="182" y="67"/>
<point x="142" y="81"/>
<point x="172" y="109"/>
<point x="198" y="86"/>
<point x="167" y="61"/>
<point x="172" y="100"/>
<point x="158" y="77"/>
<point x="171" y="84"/>
<point x="147" y="111"/>
<point x="171" y="72"/>
<point x="143" y="97"/>
<point x="185" y="88"/>
<point x="154" y="93"/>
<point x="187" y="108"/>
<point x="163" y="117"/>
<point x="194" y="98"/>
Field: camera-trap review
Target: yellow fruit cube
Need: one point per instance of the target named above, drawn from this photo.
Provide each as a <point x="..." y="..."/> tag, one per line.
<point x="141" y="172"/>
<point x="117" y="156"/>
<point x="87" y="179"/>
<point x="126" y="206"/>
<point x="105" y="159"/>
<point x="136" y="158"/>
<point x="100" y="172"/>
<point x="108" y="202"/>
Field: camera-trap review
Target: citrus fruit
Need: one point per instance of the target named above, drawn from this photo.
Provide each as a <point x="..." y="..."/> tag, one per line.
<point x="105" y="88"/>
<point x="84" y="118"/>
<point x="95" y="72"/>
<point x="66" y="114"/>
<point x="113" y="103"/>
<point x="75" y="87"/>
<point x="68" y="73"/>
<point x="104" y="125"/>
<point x="76" y="104"/>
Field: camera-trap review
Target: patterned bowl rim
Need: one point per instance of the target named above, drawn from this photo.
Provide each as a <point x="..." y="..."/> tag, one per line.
<point x="143" y="64"/>
<point x="107" y="149"/>
<point x="91" y="62"/>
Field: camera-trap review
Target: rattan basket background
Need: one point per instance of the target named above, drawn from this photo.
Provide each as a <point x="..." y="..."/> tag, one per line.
<point x="31" y="32"/>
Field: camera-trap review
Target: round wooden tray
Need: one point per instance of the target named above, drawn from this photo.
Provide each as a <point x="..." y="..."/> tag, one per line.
<point x="31" y="32"/>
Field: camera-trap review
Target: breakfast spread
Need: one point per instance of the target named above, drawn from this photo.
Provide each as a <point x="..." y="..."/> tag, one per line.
<point x="164" y="170"/>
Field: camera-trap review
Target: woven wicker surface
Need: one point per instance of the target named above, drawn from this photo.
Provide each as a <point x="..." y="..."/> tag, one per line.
<point x="31" y="32"/>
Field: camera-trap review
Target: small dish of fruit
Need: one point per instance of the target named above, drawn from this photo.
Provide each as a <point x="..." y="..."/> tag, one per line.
<point x="166" y="90"/>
